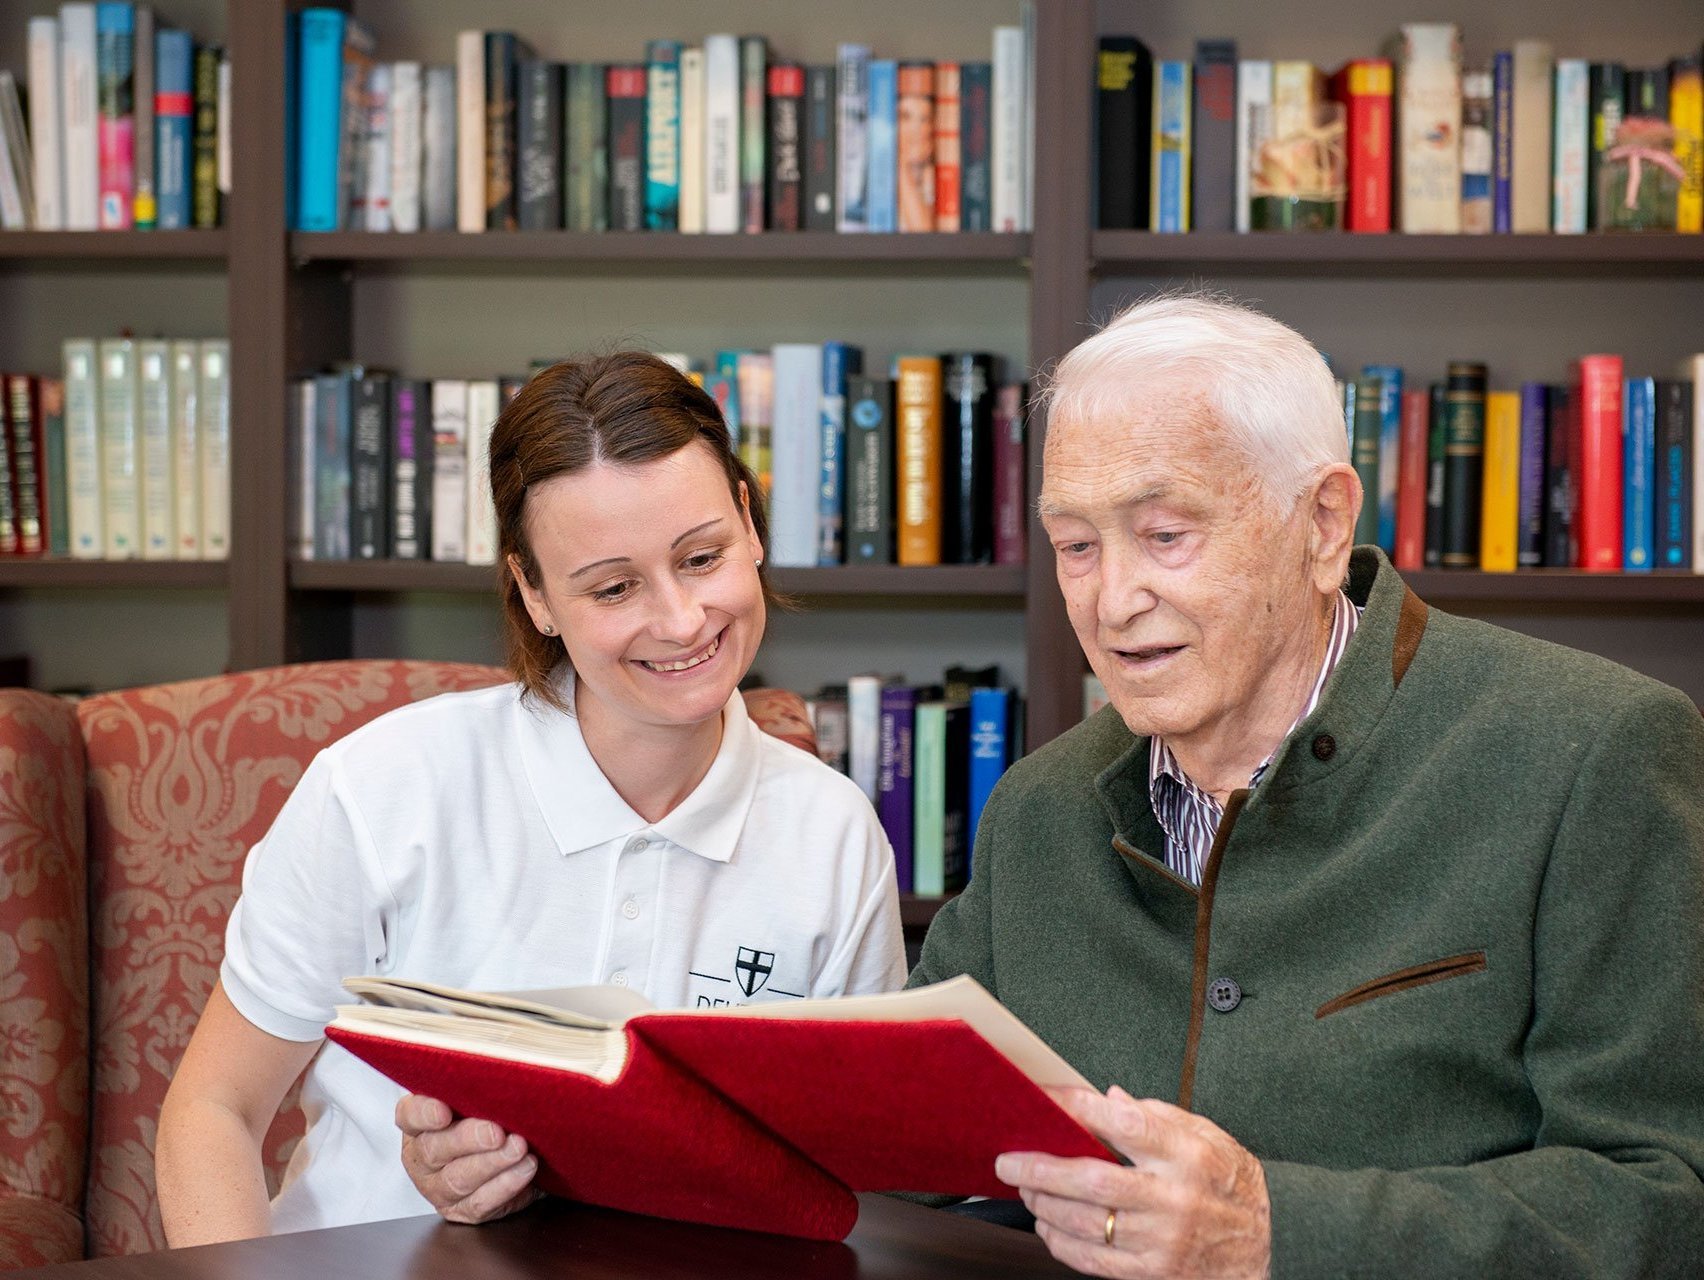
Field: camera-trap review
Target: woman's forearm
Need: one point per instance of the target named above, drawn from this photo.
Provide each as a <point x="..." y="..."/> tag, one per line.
<point x="208" y="1168"/>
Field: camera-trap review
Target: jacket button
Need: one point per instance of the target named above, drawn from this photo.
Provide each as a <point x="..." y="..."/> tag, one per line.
<point x="1224" y="994"/>
<point x="1324" y="747"/>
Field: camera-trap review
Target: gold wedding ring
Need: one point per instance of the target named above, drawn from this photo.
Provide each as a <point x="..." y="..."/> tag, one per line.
<point x="1111" y="1225"/>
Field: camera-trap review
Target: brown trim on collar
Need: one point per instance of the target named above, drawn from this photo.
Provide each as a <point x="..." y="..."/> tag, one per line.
<point x="1133" y="854"/>
<point x="1410" y="626"/>
<point x="1203" y="932"/>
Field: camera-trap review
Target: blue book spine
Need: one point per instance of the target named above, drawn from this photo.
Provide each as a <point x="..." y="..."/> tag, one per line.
<point x="1171" y="146"/>
<point x="662" y="135"/>
<point x="838" y="360"/>
<point x="1390" y="447"/>
<point x="319" y="111"/>
<point x="1529" y="541"/>
<point x="881" y="210"/>
<point x="1638" y="454"/>
<point x="1502" y="138"/>
<point x="174" y="111"/>
<point x="989" y="710"/>
<point x="894" y="776"/>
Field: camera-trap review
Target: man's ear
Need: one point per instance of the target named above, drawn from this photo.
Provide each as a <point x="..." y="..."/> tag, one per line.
<point x="1335" y="504"/>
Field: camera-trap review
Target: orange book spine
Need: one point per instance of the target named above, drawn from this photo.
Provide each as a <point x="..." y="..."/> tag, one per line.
<point x="948" y="156"/>
<point x="1597" y="382"/>
<point x="1499" y="526"/>
<point x="918" y="440"/>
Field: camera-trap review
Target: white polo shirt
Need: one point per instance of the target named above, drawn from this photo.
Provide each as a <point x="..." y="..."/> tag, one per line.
<point x="472" y="840"/>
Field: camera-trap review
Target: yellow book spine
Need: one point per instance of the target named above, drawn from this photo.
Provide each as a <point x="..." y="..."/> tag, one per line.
<point x="1686" y="114"/>
<point x="1500" y="522"/>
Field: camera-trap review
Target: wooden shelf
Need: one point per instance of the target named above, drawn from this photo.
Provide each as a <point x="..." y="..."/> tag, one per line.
<point x="113" y="246"/>
<point x="1558" y="586"/>
<point x="140" y="574"/>
<point x="916" y="912"/>
<point x="1649" y="253"/>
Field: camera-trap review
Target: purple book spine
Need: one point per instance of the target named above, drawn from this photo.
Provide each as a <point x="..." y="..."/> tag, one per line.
<point x="1502" y="138"/>
<point x="1530" y="541"/>
<point x="893" y="778"/>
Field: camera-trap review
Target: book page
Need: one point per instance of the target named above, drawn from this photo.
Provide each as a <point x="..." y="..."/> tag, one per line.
<point x="597" y="1008"/>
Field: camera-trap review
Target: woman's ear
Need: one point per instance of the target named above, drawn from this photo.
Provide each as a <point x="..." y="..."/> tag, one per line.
<point x="751" y="530"/>
<point x="532" y="597"/>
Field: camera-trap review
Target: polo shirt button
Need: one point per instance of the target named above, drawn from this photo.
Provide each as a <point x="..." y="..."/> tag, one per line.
<point x="1324" y="747"/>
<point x="630" y="909"/>
<point x="638" y="844"/>
<point x="619" y="978"/>
<point x="1224" y="994"/>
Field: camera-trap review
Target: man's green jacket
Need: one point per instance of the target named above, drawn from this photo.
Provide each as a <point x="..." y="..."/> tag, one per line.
<point x="1444" y="974"/>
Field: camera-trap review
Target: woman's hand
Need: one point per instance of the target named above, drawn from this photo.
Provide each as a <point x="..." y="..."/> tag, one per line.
<point x="470" y="1170"/>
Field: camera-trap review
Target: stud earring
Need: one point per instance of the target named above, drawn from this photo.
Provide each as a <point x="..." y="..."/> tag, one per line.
<point x="758" y="562"/>
<point x="549" y="630"/>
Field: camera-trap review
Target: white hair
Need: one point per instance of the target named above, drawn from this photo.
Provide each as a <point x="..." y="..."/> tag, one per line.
<point x="1264" y="385"/>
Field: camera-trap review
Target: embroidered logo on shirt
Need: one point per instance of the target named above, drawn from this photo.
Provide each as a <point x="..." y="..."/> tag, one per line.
<point x="753" y="969"/>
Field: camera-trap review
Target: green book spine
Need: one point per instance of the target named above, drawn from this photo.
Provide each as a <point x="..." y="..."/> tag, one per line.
<point x="204" y="189"/>
<point x="928" y="813"/>
<point x="1464" y="456"/>
<point x="754" y="88"/>
<point x="53" y="449"/>
<point x="585" y="138"/>
<point x="1369" y="423"/>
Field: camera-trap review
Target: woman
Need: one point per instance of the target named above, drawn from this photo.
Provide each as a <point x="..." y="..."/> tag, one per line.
<point x="611" y="817"/>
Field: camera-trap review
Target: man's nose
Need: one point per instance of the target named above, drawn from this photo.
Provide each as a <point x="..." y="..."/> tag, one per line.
<point x="1126" y="589"/>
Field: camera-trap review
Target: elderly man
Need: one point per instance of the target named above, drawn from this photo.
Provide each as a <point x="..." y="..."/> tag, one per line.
<point x="1382" y="929"/>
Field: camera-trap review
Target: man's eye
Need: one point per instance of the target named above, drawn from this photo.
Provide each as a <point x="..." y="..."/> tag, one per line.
<point x="1074" y="548"/>
<point x="1165" y="537"/>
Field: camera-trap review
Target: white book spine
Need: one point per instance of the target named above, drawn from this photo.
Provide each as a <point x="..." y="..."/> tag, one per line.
<point x="79" y="103"/>
<point x="470" y="131"/>
<point x="159" y="530"/>
<point x="796" y="455"/>
<point x="1529" y="177"/>
<point x="852" y="137"/>
<point x="375" y="201"/>
<point x="1027" y="10"/>
<point x="186" y="448"/>
<point x="120" y="483"/>
<point x="863" y="731"/>
<point x="438" y="127"/>
<point x="222" y="128"/>
<point x="83" y="461"/>
<point x="1006" y="159"/>
<point x="449" y="469"/>
<point x="17" y="204"/>
<point x="1573" y="142"/>
<point x="692" y="155"/>
<point x="1429" y="127"/>
<point x="215" y="396"/>
<point x="722" y="134"/>
<point x="482" y="408"/>
<point x="406" y="155"/>
<point x="1254" y="127"/>
<point x="46" y="118"/>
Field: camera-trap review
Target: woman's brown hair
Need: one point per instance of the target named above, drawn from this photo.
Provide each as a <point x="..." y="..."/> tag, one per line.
<point x="624" y="408"/>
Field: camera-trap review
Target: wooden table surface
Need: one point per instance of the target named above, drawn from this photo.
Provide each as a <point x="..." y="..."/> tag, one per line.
<point x="892" y="1241"/>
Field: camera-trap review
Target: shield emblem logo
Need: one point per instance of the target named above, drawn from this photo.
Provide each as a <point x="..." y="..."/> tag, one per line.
<point x="753" y="968"/>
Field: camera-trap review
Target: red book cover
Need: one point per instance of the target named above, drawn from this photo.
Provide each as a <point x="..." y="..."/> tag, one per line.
<point x="1011" y="468"/>
<point x="949" y="168"/>
<point x="1597" y="393"/>
<point x="1364" y="88"/>
<point x="1411" y="480"/>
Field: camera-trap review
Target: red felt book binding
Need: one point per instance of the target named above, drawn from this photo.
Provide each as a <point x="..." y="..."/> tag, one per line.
<point x="1597" y="397"/>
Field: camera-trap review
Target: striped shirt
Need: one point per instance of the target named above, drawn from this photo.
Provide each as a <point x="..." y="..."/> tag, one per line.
<point x="1189" y="816"/>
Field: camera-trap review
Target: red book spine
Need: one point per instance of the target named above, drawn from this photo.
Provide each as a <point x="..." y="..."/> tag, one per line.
<point x="1364" y="88"/>
<point x="1597" y="382"/>
<point x="1411" y="480"/>
<point x="949" y="167"/>
<point x="1011" y="528"/>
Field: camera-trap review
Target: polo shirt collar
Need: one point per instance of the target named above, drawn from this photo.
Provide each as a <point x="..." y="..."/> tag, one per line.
<point x="583" y="811"/>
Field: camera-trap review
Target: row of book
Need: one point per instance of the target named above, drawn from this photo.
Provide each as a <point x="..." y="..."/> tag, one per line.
<point x="128" y="125"/>
<point x="719" y="136"/>
<point x="1410" y="142"/>
<point x="125" y="456"/>
<point x="922" y="467"/>
<point x="1603" y="473"/>
<point x="927" y="757"/>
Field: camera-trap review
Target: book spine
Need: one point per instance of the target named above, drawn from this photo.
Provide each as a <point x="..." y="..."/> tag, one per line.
<point x="1675" y="494"/>
<point x="852" y="113"/>
<point x="863" y="732"/>
<point x="626" y="91"/>
<point x="1638" y="447"/>
<point x="222" y="130"/>
<point x="1529" y="546"/>
<point x="914" y="146"/>
<point x="1006" y="152"/>
<point x="989" y="744"/>
<point x="539" y="145"/>
<point x="949" y="152"/>
<point x="79" y="84"/>
<point x="785" y="175"/>
<point x="292" y="117"/>
<point x="204" y="174"/>
<point x="1502" y="141"/>
<point x="1529" y="197"/>
<point x="967" y="458"/>
<point x="1365" y="425"/>
<point x="26" y="490"/>
<point x="407" y="147"/>
<point x="869" y="471"/>
<point x="882" y="192"/>
<point x="369" y="514"/>
<point x="929" y="771"/>
<point x="1011" y="466"/>
<point x="1430" y="120"/>
<point x="1686" y="115"/>
<point x="976" y="192"/>
<point x="820" y="168"/>
<point x="1571" y="146"/>
<point x="1116" y="146"/>
<point x="144" y="202"/>
<point x="115" y="53"/>
<point x="588" y="148"/>
<point x="1606" y="89"/>
<point x="304" y="420"/>
<point x="120" y="488"/>
<point x="662" y="135"/>
<point x="1500" y="512"/>
<point x="1390" y="448"/>
<point x="214" y="396"/>
<point x="895" y="781"/>
<point x="955" y="816"/>
<point x="372" y="200"/>
<point x="8" y="489"/>
<point x="1213" y="134"/>
<point x="755" y="373"/>
<point x="483" y="405"/>
<point x="1411" y="482"/>
<point x="1464" y="453"/>
<point x="754" y="78"/>
<point x="840" y="361"/>
<point x="57" y="508"/>
<point x="1169" y="174"/>
<point x="1368" y="85"/>
<point x="1437" y="423"/>
<point x="449" y="469"/>
<point x="159" y="528"/>
<point x="796" y="454"/>
<point x="411" y="469"/>
<point x="1693" y="368"/>
<point x="332" y="428"/>
<point x="918" y="445"/>
<point x="174" y="115"/>
<point x="722" y="134"/>
<point x="46" y="120"/>
<point x="502" y="52"/>
<point x="691" y="215"/>
<point x="1478" y="158"/>
<point x="1561" y="435"/>
<point x="470" y="131"/>
<point x="438" y="136"/>
<point x="84" y="462"/>
<point x="1597" y="385"/>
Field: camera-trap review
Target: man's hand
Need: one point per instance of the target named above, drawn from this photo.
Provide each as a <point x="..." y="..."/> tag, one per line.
<point x="1192" y="1203"/>
<point x="471" y="1171"/>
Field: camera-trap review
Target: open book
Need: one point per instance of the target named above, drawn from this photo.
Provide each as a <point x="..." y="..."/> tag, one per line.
<point x="765" y="1116"/>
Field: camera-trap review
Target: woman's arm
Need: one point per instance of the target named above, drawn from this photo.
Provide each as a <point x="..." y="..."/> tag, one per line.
<point x="208" y="1158"/>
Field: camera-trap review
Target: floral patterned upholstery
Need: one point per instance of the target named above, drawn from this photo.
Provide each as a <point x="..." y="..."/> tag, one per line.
<point x="180" y="780"/>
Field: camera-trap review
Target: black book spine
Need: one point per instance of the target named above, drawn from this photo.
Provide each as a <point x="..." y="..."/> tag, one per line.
<point x="204" y="193"/>
<point x="819" y="148"/>
<point x="967" y="465"/>
<point x="1673" y="475"/>
<point x="955" y="824"/>
<point x="1213" y="165"/>
<point x="1115" y="132"/>
<point x="538" y="137"/>
<point x="1464" y="459"/>
<point x="626" y="91"/>
<point x="1435" y="478"/>
<point x="501" y="85"/>
<point x="784" y="161"/>
<point x="369" y="476"/>
<point x="976" y="173"/>
<point x="869" y="470"/>
<point x="1559" y="482"/>
<point x="411" y="469"/>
